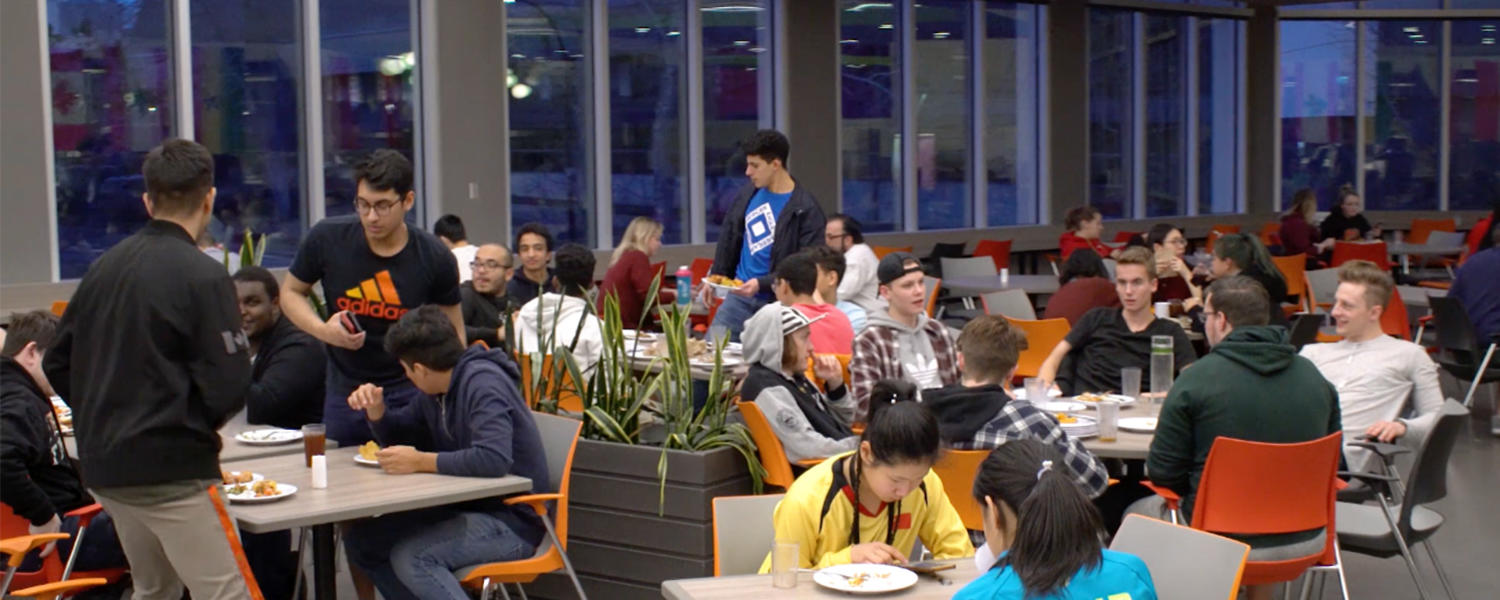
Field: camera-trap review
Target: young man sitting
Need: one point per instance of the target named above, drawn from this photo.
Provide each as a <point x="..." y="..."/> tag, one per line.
<point x="1375" y="374"/>
<point x="287" y="366"/>
<point x="831" y="270"/>
<point x="978" y="414"/>
<point x="472" y="423"/>
<point x="564" y="316"/>
<point x="901" y="342"/>
<point x="796" y="285"/>
<point x="1106" y="340"/>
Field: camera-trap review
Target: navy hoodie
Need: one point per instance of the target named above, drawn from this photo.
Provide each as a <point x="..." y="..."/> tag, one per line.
<point x="480" y="428"/>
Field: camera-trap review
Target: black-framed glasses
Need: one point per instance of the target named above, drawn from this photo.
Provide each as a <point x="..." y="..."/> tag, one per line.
<point x="381" y="208"/>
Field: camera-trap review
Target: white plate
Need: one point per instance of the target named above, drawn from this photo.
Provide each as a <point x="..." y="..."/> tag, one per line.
<point x="721" y="291"/>
<point x="1123" y="400"/>
<point x="1057" y="406"/>
<point x="1138" y="424"/>
<point x="283" y="490"/>
<point x="254" y="477"/>
<point x="1020" y="393"/>
<point x="876" y="579"/>
<point x="268" y="437"/>
<point x="360" y="460"/>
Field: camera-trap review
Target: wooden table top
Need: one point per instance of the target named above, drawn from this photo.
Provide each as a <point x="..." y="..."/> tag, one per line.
<point x="355" y="491"/>
<point x="233" y="450"/>
<point x="1127" y="445"/>
<point x="758" y="587"/>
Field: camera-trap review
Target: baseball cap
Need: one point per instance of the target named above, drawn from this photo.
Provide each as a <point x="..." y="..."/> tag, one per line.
<point x="894" y="266"/>
<point x="793" y="319"/>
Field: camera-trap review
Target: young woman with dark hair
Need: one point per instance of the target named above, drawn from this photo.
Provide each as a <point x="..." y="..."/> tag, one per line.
<point x="1086" y="285"/>
<point x="1044" y="535"/>
<point x="871" y="505"/>
<point x="1174" y="278"/>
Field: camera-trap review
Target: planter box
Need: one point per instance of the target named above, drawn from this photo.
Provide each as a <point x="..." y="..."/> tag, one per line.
<point x="621" y="547"/>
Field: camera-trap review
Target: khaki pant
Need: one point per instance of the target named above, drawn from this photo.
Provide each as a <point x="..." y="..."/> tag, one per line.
<point x="191" y="541"/>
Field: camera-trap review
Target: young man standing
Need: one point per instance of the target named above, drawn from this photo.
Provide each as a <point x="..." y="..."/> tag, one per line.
<point x="901" y="342"/>
<point x="373" y="268"/>
<point x="830" y="276"/>
<point x="796" y="284"/>
<point x="486" y="308"/>
<point x="450" y="230"/>
<point x="565" y="315"/>
<point x="859" y="284"/>
<point x="470" y="421"/>
<point x="534" y="247"/>
<point x="152" y="360"/>
<point x="1109" y="339"/>
<point x="770" y="219"/>
<point x="288" y="366"/>
<point x="979" y="414"/>
<point x="1375" y="373"/>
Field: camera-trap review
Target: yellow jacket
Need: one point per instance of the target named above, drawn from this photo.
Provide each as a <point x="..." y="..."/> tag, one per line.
<point x="823" y="538"/>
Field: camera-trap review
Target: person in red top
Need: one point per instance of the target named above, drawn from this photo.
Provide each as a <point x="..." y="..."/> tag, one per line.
<point x="1085" y="286"/>
<point x="1085" y="227"/>
<point x="630" y="273"/>
<point x="796" y="281"/>
<point x="1298" y="235"/>
<point x="1174" y="278"/>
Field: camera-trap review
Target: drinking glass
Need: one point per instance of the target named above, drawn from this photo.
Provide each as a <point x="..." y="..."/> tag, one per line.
<point x="784" y="563"/>
<point x="1109" y="420"/>
<point x="1162" y="364"/>
<point x="1036" y="392"/>
<point x="1130" y="382"/>
<point x="314" y="438"/>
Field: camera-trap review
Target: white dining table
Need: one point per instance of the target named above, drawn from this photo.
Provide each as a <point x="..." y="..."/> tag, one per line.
<point x="980" y="285"/>
<point x="232" y="450"/>
<point x="758" y="587"/>
<point x="1406" y="251"/>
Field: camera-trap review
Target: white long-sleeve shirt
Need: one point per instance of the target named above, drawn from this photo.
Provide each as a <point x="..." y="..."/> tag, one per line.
<point x="1374" y="380"/>
<point x="860" y="284"/>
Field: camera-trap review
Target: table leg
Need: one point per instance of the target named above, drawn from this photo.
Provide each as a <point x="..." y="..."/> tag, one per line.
<point x="1406" y="264"/>
<point x="324" y="570"/>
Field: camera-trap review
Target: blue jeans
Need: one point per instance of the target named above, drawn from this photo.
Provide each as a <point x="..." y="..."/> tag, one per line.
<point x="732" y="315"/>
<point x="347" y="426"/>
<point x="413" y="555"/>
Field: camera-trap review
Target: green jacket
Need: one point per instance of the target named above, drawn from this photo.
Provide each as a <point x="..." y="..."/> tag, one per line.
<point x="1251" y="386"/>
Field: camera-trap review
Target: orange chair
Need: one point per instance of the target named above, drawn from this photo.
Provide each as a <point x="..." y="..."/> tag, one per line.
<point x="59" y="307"/>
<point x="1225" y="229"/>
<point x="1422" y="228"/>
<point x="843" y="362"/>
<point x="1394" y="320"/>
<point x="1123" y="237"/>
<point x="52" y="591"/>
<point x="559" y="440"/>
<point x="957" y="470"/>
<point x="700" y="268"/>
<point x="768" y="447"/>
<point x="1255" y="488"/>
<point x="1041" y="337"/>
<point x="563" y="388"/>
<point x="16" y="549"/>
<point x="934" y="287"/>
<point x="881" y="251"/>
<point x="53" y="569"/>
<point x="1374" y="252"/>
<point x="997" y="250"/>
<point x="1294" y="271"/>
<point x="1270" y="234"/>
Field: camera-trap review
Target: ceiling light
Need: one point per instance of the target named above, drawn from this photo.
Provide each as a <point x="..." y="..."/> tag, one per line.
<point x="887" y="26"/>
<point x="848" y="41"/>
<point x="1410" y="29"/>
<point x="941" y="35"/>
<point x="643" y="30"/>
<point x="868" y="6"/>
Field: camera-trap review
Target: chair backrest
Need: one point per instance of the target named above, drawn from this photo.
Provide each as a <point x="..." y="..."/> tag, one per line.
<point x="743" y="533"/>
<point x="997" y="250"/>
<point x="932" y="285"/>
<point x="843" y="362"/>
<point x="947" y="250"/>
<point x="564" y="387"/>
<point x="1428" y="480"/>
<point x="14" y="525"/>
<point x="59" y="307"/>
<point x="957" y="470"/>
<point x="767" y="446"/>
<point x="1013" y="303"/>
<point x="1445" y="238"/>
<point x="881" y="251"/>
<point x="1109" y="267"/>
<point x="1305" y="329"/>
<point x="1421" y="229"/>
<point x="1123" y="237"/>
<point x="700" y="268"/>
<point x="1041" y="337"/>
<point x="1321" y="284"/>
<point x="1374" y="252"/>
<point x="1292" y="268"/>
<point x="1394" y="320"/>
<point x="1259" y="488"/>
<point x="1455" y="333"/>
<point x="559" y="441"/>
<point x="1185" y="564"/>
<point x="1270" y="234"/>
<point x="1208" y="243"/>
<point x="979" y="266"/>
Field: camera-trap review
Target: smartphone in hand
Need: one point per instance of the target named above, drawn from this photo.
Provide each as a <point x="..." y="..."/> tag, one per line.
<point x="351" y="324"/>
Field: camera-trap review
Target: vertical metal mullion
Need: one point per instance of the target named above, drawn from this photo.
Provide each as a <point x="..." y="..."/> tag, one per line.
<point x="1193" y="59"/>
<point x="1445" y="114"/>
<point x="1359" y="110"/>
<point x="598" y="93"/>
<point x="1241" y="202"/>
<point x="315" y="208"/>
<point x="906" y="23"/>
<point x="1138" y="116"/>
<point x="771" y="68"/>
<point x="1042" y="163"/>
<point x="978" y="178"/>
<point x="693" y="85"/>
<point x="423" y="17"/>
<point x="54" y="253"/>
<point x="182" y="66"/>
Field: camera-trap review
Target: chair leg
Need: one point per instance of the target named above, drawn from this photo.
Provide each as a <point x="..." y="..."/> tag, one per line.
<point x="484" y="590"/>
<point x="1478" y="376"/>
<point x="1442" y="576"/>
<point x="567" y="563"/>
<point x="1339" y="564"/>
<point x="73" y="556"/>
<point x="1307" y="579"/>
<point x="504" y="593"/>
<point x="302" y="536"/>
<point x="10" y="573"/>
<point x="522" y="590"/>
<point x="1411" y="565"/>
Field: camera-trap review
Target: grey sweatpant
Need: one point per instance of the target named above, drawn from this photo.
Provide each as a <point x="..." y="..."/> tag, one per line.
<point x="189" y="541"/>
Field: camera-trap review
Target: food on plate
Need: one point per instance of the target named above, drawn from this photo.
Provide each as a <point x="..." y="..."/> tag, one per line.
<point x="1090" y="397"/>
<point x="368" y="450"/>
<point x="695" y="348"/>
<point x="725" y="281"/>
<point x="1065" y="418"/>
<point x="234" y="477"/>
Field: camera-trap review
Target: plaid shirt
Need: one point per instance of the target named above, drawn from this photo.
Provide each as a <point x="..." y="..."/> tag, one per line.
<point x="877" y="356"/>
<point x="1020" y="420"/>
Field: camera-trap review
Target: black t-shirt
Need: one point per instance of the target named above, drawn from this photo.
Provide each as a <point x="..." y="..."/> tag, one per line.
<point x="1103" y="344"/>
<point x="378" y="290"/>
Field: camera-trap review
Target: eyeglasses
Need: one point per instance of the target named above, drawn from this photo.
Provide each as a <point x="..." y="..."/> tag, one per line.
<point x="487" y="265"/>
<point x="1177" y="242"/>
<point x="380" y="208"/>
<point x="835" y="237"/>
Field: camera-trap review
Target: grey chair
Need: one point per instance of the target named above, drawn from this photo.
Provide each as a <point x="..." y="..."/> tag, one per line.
<point x="1401" y="519"/>
<point x="1185" y="563"/>
<point x="1012" y="303"/>
<point x="1463" y="354"/>
<point x="1322" y="283"/>
<point x="981" y="266"/>
<point x="743" y="533"/>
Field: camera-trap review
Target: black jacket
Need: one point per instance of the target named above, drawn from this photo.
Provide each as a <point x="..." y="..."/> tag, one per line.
<point x="37" y="478"/>
<point x="962" y="411"/>
<point x="800" y="225"/>
<point x="286" y="381"/>
<point x="484" y="315"/>
<point x="151" y="357"/>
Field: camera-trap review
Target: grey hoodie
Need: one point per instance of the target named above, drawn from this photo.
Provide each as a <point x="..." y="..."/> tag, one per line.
<point x="887" y="346"/>
<point x="784" y="401"/>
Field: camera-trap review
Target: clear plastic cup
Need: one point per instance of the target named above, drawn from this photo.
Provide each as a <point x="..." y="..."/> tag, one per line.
<point x="1130" y="382"/>
<point x="1036" y="390"/>
<point x="784" y="563"/>
<point x="1109" y="420"/>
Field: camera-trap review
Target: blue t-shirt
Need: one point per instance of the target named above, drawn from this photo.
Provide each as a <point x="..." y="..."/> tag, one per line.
<point x="1119" y="576"/>
<point x="760" y="234"/>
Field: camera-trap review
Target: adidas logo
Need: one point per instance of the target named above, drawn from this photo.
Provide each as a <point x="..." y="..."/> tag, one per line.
<point x="375" y="297"/>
